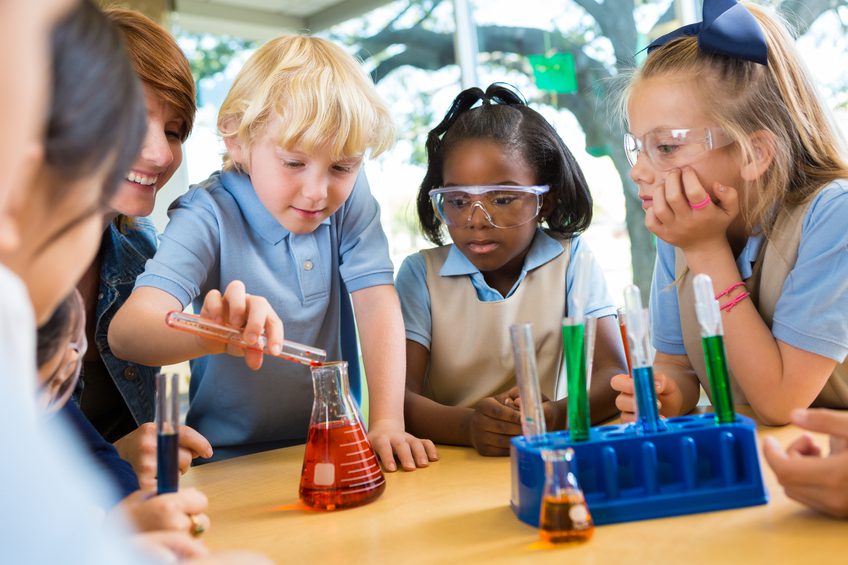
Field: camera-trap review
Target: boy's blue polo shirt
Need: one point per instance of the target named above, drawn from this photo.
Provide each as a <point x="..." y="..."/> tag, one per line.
<point x="812" y="311"/>
<point x="219" y="232"/>
<point x="415" y="296"/>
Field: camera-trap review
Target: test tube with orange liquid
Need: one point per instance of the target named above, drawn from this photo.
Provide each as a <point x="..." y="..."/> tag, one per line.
<point x="204" y="327"/>
<point x="622" y="326"/>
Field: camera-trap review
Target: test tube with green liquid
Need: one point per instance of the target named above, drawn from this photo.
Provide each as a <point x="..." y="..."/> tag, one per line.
<point x="578" y="349"/>
<point x="578" y="342"/>
<point x="712" y="340"/>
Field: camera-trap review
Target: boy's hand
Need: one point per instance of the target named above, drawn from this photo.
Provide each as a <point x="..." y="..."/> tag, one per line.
<point x="239" y="309"/>
<point x="181" y="511"/>
<point x="139" y="448"/>
<point x="669" y="396"/>
<point x="496" y="420"/>
<point x="819" y="482"/>
<point x="389" y="440"/>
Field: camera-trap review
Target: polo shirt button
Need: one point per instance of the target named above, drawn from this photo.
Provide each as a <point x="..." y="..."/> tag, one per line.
<point x="100" y="296"/>
<point x="308" y="265"/>
<point x="130" y="373"/>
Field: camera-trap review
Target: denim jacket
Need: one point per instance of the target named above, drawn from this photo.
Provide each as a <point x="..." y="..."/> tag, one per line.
<point x="123" y="256"/>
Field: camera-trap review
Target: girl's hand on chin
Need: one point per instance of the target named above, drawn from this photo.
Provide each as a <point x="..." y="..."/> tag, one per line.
<point x="685" y="215"/>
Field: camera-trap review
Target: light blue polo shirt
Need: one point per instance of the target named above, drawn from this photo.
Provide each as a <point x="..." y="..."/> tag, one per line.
<point x="812" y="311"/>
<point x="415" y="297"/>
<point x="219" y="232"/>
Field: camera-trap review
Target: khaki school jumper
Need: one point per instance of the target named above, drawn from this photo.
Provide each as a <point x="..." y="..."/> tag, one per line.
<point x="470" y="350"/>
<point x="771" y="269"/>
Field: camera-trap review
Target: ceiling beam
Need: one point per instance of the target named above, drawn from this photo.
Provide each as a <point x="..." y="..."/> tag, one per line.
<point x="341" y="12"/>
<point x="248" y="23"/>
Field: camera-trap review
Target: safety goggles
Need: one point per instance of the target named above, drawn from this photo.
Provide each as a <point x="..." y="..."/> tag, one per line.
<point x="503" y="206"/>
<point x="674" y="148"/>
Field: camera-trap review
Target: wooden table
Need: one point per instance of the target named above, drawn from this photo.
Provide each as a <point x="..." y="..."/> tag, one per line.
<point x="457" y="511"/>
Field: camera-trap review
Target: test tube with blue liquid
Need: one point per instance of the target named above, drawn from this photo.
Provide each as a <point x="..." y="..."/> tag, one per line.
<point x="638" y="333"/>
<point x="578" y="343"/>
<point x="527" y="377"/>
<point x="712" y="340"/>
<point x="167" y="433"/>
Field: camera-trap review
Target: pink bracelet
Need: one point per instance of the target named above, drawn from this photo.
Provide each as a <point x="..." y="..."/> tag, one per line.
<point x="729" y="306"/>
<point x="729" y="289"/>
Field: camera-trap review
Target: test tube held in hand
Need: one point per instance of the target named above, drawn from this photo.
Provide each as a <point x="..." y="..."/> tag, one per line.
<point x="167" y="433"/>
<point x="638" y="333"/>
<point x="622" y="327"/>
<point x="291" y="350"/>
<point x="527" y="376"/>
<point x="712" y="340"/>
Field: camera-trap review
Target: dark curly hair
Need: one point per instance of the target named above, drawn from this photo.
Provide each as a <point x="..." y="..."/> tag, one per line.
<point x="505" y="118"/>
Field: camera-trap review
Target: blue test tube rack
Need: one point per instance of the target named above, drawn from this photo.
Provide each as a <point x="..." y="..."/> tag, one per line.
<point x="695" y="465"/>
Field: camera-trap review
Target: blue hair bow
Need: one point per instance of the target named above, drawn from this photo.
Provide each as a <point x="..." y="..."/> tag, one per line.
<point x="727" y="29"/>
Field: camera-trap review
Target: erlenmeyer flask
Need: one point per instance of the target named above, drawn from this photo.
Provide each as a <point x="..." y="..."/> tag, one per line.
<point x="564" y="516"/>
<point x="340" y="469"/>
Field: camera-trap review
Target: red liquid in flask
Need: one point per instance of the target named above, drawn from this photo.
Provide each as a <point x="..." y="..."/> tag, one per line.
<point x="340" y="469"/>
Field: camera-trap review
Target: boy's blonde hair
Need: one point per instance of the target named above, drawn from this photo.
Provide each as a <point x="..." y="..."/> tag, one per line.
<point x="743" y="97"/>
<point x="320" y="93"/>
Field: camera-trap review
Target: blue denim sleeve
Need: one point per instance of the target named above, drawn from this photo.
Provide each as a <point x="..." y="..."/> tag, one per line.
<point x="665" y="311"/>
<point x="364" y="250"/>
<point x="411" y="285"/>
<point x="103" y="452"/>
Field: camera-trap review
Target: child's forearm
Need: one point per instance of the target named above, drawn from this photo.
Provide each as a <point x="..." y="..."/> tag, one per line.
<point x="602" y="396"/>
<point x="775" y="378"/>
<point x="383" y="342"/>
<point x="426" y="418"/>
<point x="138" y="332"/>
<point x="607" y="362"/>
